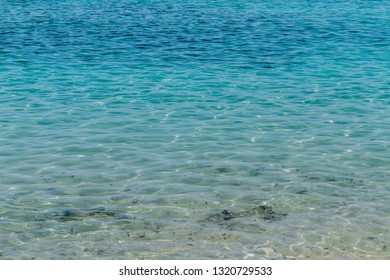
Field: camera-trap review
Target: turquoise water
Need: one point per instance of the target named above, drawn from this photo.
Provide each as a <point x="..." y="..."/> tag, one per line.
<point x="125" y="124"/>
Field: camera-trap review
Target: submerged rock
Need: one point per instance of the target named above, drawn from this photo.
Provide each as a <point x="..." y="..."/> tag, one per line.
<point x="75" y="214"/>
<point x="230" y="218"/>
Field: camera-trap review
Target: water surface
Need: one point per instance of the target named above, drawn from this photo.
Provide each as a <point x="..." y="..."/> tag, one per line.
<point x="125" y="125"/>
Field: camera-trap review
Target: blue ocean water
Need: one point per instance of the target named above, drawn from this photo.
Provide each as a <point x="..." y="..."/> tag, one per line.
<point x="128" y="127"/>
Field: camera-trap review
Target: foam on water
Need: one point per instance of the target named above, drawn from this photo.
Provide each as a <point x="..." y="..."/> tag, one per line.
<point x="124" y="125"/>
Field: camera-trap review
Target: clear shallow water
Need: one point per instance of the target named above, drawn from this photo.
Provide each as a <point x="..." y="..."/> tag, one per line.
<point x="125" y="124"/>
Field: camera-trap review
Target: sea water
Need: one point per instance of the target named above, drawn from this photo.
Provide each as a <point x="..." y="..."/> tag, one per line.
<point x="126" y="126"/>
